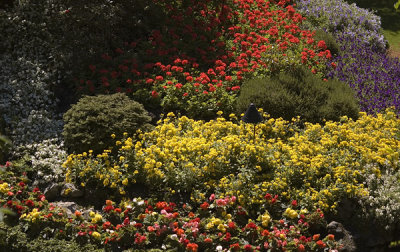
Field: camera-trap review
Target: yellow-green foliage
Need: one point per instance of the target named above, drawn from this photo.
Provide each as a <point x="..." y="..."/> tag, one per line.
<point x="316" y="166"/>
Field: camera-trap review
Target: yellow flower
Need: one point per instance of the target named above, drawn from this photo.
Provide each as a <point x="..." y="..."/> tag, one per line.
<point x="4" y="187"/>
<point x="125" y="181"/>
<point x="97" y="218"/>
<point x="265" y="219"/>
<point x="221" y="228"/>
<point x="96" y="235"/>
<point x="290" y="213"/>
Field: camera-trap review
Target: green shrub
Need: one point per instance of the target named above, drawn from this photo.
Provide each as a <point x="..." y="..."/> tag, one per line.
<point x="297" y="92"/>
<point x="90" y="123"/>
<point x="5" y="145"/>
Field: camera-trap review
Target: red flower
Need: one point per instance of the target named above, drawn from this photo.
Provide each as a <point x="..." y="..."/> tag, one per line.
<point x="322" y="45"/>
<point x="235" y="246"/>
<point x="29" y="203"/>
<point x="294" y="203"/>
<point x="251" y="225"/>
<point x="204" y="206"/>
<point x="108" y="208"/>
<point x="192" y="247"/>
<point x="227" y="237"/>
<point x="159" y="78"/>
<point x="154" y="94"/>
<point x="149" y="81"/>
<point x="247" y="247"/>
<point x="106" y="225"/>
<point x="301" y="248"/>
<point x="208" y="240"/>
<point x="178" y="85"/>
<point x="126" y="221"/>
<point x="321" y="244"/>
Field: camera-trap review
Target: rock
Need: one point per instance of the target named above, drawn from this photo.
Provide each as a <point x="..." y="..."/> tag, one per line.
<point x="52" y="191"/>
<point x="342" y="235"/>
<point x="69" y="190"/>
<point x="69" y="207"/>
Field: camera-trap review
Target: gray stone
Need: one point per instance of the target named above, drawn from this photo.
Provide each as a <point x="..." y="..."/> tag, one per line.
<point x="69" y="207"/>
<point x="72" y="192"/>
<point x="52" y="191"/>
<point x="342" y="236"/>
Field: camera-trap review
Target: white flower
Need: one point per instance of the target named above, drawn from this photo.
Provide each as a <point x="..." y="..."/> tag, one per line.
<point x="219" y="248"/>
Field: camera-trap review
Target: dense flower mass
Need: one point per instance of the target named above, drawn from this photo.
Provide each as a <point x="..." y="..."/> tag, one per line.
<point x="216" y="184"/>
<point x="374" y="75"/>
<point x="315" y="166"/>
<point x="200" y="73"/>
<point x="149" y="224"/>
<point x="344" y="20"/>
<point x="363" y="62"/>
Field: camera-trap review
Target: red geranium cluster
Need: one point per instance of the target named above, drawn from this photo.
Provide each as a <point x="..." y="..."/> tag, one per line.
<point x="205" y="51"/>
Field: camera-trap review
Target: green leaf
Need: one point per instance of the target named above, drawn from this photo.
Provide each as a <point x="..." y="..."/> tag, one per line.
<point x="397" y="5"/>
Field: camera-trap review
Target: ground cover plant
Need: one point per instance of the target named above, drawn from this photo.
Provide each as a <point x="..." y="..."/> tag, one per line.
<point x="388" y="11"/>
<point x="84" y="170"/>
<point x="363" y="61"/>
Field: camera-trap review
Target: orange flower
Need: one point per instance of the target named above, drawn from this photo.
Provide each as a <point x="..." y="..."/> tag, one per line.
<point x="78" y="214"/>
<point x="315" y="237"/>
<point x="331" y="237"/>
<point x="192" y="247"/>
<point x="180" y="231"/>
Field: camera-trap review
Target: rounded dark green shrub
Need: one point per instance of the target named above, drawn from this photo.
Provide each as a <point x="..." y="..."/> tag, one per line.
<point x="298" y="92"/>
<point x="90" y="123"/>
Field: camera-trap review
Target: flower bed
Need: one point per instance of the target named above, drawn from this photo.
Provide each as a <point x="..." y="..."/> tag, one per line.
<point x="199" y="185"/>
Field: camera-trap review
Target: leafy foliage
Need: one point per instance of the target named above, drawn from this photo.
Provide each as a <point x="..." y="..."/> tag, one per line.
<point x="90" y="123"/>
<point x="298" y="92"/>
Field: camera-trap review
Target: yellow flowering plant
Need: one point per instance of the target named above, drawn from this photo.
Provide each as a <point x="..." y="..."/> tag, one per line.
<point x="318" y="165"/>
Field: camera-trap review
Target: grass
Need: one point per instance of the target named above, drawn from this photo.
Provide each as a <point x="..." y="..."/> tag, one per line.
<point x="390" y="20"/>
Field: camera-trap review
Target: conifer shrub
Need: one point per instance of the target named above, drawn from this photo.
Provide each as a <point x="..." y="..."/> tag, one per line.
<point x="90" y="123"/>
<point x="298" y="92"/>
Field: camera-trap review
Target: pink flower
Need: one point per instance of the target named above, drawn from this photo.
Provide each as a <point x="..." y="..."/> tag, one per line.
<point x="212" y="197"/>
